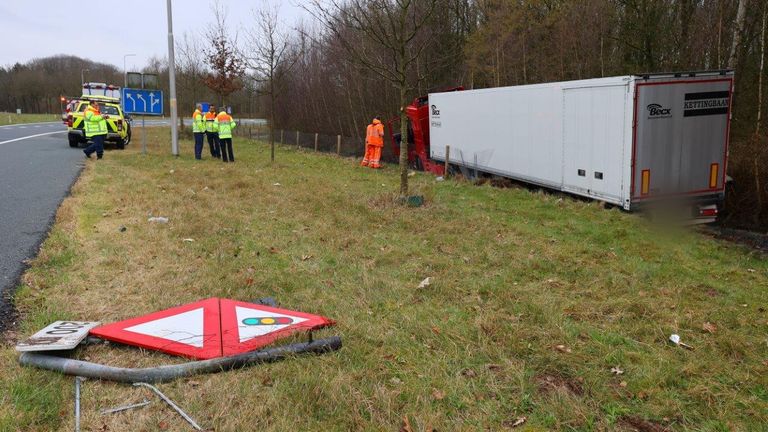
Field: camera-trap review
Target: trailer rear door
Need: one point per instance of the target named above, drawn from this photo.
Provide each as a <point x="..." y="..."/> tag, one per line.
<point x="681" y="136"/>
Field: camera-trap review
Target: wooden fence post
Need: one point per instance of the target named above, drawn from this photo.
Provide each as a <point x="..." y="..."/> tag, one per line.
<point x="281" y="137"/>
<point x="297" y="138"/>
<point x="315" y="141"/>
<point x="338" y="144"/>
<point x="447" y="160"/>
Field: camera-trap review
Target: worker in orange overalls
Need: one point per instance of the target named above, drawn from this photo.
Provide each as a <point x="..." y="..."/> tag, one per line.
<point x="374" y="141"/>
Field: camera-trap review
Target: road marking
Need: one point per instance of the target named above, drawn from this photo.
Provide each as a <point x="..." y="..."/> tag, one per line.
<point x="22" y="127"/>
<point x="30" y="136"/>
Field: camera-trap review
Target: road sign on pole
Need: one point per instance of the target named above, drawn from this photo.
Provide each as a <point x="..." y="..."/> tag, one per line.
<point x="142" y="101"/>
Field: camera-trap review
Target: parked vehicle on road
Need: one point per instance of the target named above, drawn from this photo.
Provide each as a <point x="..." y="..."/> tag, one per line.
<point x="118" y="124"/>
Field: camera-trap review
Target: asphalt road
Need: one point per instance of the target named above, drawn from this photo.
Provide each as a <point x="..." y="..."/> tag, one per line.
<point x="37" y="169"/>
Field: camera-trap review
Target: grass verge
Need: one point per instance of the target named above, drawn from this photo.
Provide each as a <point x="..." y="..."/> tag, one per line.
<point x="12" y="118"/>
<point x="534" y="299"/>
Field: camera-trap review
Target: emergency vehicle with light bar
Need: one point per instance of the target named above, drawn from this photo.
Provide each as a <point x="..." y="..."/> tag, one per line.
<point x="108" y="96"/>
<point x="636" y="141"/>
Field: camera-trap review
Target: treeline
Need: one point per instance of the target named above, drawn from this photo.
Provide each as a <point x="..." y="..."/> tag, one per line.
<point x="38" y="85"/>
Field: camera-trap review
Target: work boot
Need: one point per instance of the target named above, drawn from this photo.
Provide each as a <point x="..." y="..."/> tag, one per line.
<point x="87" y="156"/>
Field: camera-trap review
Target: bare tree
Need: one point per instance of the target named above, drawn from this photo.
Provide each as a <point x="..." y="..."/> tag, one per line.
<point x="267" y="50"/>
<point x="738" y="29"/>
<point x="223" y="57"/>
<point x="381" y="36"/>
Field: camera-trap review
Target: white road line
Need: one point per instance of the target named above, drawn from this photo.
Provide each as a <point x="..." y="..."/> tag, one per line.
<point x="22" y="127"/>
<point x="30" y="136"/>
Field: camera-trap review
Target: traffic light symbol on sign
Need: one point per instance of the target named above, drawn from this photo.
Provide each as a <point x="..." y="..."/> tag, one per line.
<point x="268" y="321"/>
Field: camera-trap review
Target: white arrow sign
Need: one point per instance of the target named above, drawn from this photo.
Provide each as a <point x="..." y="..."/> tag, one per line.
<point x="129" y="96"/>
<point x="153" y="102"/>
<point x="141" y="97"/>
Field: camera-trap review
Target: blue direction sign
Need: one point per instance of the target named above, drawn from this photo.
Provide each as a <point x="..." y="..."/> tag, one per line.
<point x="143" y="102"/>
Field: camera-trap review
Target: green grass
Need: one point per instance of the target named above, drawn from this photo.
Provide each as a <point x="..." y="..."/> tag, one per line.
<point x="534" y="298"/>
<point x="13" y="118"/>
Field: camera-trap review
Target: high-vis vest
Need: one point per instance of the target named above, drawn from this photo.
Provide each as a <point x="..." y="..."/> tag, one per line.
<point x="94" y="123"/>
<point x="210" y="122"/>
<point x="374" y="134"/>
<point x="225" y="124"/>
<point x="198" y="124"/>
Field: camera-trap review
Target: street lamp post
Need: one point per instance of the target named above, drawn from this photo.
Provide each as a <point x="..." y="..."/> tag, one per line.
<point x="82" y="76"/>
<point x="172" y="82"/>
<point x="125" y="70"/>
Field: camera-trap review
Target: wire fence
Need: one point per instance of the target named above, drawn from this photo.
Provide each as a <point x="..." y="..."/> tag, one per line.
<point x="334" y="144"/>
<point x="314" y="141"/>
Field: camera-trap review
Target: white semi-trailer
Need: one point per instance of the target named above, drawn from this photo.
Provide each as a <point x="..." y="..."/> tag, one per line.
<point x="627" y="140"/>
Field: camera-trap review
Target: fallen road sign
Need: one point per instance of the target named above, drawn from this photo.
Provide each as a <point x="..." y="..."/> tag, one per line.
<point x="210" y="328"/>
<point x="248" y="326"/>
<point x="61" y="335"/>
<point x="191" y="330"/>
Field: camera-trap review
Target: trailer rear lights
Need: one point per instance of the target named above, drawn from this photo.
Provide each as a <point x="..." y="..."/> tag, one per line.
<point x="708" y="211"/>
<point x="713" y="169"/>
<point x="646" y="182"/>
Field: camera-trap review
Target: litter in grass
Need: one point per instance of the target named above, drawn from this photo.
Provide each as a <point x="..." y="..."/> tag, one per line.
<point x="617" y="370"/>
<point x="276" y="184"/>
<point x="519" y="421"/>
<point x="188" y="240"/>
<point x="123" y="228"/>
<point x="158" y="219"/>
<point x="709" y="327"/>
<point x="425" y="283"/>
<point x="675" y="339"/>
<point x="562" y="348"/>
<point x="441" y="178"/>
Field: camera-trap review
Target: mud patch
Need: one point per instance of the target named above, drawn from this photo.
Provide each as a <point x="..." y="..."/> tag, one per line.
<point x="549" y="383"/>
<point x="638" y="424"/>
<point x="751" y="239"/>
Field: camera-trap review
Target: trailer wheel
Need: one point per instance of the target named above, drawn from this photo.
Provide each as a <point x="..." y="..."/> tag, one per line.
<point x="73" y="141"/>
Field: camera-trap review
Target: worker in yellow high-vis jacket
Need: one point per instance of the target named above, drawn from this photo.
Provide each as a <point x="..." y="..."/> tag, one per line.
<point x="198" y="130"/>
<point x="95" y="130"/>
<point x="212" y="132"/>
<point x="225" y="123"/>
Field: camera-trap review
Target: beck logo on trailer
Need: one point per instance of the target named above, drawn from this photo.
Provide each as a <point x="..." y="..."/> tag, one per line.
<point x="210" y="328"/>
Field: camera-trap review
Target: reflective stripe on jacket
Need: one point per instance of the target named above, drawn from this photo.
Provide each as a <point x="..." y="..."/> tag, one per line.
<point x="198" y="124"/>
<point x="225" y="125"/>
<point x="210" y="122"/>
<point x="94" y="123"/>
<point x="374" y="134"/>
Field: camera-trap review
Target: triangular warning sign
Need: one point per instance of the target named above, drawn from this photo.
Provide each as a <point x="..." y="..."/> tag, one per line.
<point x="210" y="328"/>
<point x="247" y="326"/>
<point x="192" y="330"/>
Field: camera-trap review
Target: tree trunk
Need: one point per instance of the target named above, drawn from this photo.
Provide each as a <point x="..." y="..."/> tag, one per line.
<point x="271" y="120"/>
<point x="758" y="153"/>
<point x="737" y="32"/>
<point x="403" y="141"/>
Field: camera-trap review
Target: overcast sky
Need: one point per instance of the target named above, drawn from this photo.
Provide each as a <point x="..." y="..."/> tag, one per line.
<point x="105" y="31"/>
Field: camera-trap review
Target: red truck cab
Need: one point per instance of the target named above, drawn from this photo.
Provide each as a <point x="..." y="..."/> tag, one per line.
<point x="418" y="134"/>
